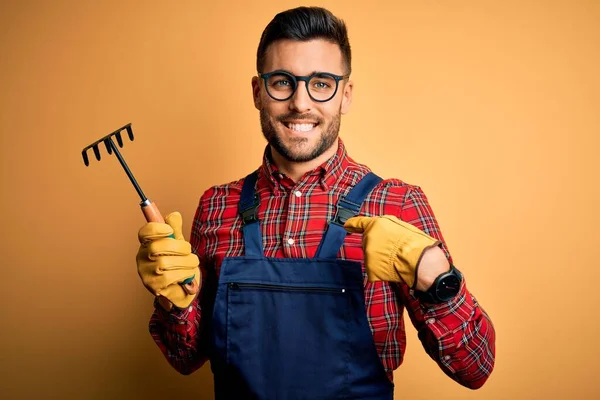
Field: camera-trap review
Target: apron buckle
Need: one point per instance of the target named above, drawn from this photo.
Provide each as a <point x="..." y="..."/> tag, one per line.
<point x="345" y="210"/>
<point x="250" y="213"/>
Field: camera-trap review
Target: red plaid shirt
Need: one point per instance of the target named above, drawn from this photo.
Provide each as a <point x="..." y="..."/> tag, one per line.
<point x="458" y="335"/>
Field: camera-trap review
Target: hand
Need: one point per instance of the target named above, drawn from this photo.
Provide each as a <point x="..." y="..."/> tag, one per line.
<point x="164" y="262"/>
<point x="393" y="249"/>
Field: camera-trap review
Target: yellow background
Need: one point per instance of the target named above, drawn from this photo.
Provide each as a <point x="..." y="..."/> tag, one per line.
<point x="491" y="106"/>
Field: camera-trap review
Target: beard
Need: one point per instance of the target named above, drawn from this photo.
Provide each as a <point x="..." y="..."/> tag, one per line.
<point x="297" y="151"/>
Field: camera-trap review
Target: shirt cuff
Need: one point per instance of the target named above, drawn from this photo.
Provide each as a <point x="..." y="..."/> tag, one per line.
<point x="447" y="317"/>
<point x="176" y="315"/>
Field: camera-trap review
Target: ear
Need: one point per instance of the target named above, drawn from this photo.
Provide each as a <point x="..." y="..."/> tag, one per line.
<point x="256" y="92"/>
<point x="347" y="97"/>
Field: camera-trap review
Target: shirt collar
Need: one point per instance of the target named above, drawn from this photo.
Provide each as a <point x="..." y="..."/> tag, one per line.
<point x="326" y="174"/>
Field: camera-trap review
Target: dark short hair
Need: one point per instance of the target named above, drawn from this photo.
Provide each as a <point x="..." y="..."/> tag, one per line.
<point x="303" y="24"/>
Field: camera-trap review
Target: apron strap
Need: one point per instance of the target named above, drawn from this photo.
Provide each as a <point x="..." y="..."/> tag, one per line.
<point x="347" y="207"/>
<point x="248" y="209"/>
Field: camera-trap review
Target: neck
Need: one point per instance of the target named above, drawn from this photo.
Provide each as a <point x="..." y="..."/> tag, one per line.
<point x="295" y="170"/>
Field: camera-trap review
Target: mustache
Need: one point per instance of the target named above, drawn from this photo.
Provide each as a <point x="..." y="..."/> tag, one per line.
<point x="299" y="117"/>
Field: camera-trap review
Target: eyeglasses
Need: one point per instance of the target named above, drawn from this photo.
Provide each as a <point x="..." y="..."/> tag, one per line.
<point x="321" y="86"/>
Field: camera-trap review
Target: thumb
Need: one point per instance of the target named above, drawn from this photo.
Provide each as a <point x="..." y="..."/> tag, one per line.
<point x="357" y="224"/>
<point x="153" y="230"/>
<point x="175" y="221"/>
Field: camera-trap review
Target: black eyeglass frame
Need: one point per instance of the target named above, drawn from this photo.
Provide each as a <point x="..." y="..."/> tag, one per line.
<point x="300" y="78"/>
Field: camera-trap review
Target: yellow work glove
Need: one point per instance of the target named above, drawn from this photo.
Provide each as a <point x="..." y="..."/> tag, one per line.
<point x="392" y="247"/>
<point x="164" y="262"/>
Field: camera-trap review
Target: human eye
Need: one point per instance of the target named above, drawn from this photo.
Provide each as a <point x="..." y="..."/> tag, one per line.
<point x="282" y="82"/>
<point x="323" y="83"/>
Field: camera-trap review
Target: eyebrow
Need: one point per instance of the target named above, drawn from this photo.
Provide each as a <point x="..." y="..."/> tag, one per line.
<point x="312" y="73"/>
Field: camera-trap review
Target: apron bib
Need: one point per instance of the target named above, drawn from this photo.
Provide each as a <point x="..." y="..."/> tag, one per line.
<point x="295" y="328"/>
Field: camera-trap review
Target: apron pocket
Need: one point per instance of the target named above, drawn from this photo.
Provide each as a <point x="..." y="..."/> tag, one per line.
<point x="289" y="341"/>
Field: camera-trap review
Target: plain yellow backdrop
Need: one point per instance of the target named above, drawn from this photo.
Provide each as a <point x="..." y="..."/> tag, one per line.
<point x="492" y="107"/>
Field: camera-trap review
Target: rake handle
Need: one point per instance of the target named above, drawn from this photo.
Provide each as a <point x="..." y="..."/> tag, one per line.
<point x="152" y="214"/>
<point x="149" y="209"/>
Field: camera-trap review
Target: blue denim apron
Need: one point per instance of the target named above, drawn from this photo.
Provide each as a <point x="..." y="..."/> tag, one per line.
<point x="295" y="328"/>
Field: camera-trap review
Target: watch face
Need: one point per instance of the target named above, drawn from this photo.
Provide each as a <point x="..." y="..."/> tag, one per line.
<point x="448" y="287"/>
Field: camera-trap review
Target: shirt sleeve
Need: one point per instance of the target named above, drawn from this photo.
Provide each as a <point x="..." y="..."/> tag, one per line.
<point x="180" y="334"/>
<point x="458" y="334"/>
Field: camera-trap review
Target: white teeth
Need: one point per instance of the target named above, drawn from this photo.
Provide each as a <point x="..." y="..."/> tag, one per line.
<point x="301" y="127"/>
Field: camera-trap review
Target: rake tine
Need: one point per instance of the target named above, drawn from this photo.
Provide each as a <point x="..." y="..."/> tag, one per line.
<point x="86" y="160"/>
<point x="129" y="132"/>
<point x="96" y="151"/>
<point x="108" y="144"/>
<point x="119" y="139"/>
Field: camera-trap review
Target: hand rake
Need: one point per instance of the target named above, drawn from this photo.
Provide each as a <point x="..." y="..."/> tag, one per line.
<point x="149" y="208"/>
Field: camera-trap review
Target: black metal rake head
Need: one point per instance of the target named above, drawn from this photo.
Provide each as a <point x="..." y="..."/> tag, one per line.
<point x="108" y="142"/>
<point x="110" y="147"/>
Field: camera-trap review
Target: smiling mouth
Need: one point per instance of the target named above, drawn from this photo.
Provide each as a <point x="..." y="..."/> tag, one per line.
<point x="304" y="127"/>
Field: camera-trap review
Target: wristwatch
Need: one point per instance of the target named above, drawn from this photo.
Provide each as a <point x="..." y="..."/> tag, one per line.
<point x="444" y="288"/>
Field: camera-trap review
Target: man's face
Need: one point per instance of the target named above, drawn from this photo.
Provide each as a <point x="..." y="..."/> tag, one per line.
<point x="301" y="129"/>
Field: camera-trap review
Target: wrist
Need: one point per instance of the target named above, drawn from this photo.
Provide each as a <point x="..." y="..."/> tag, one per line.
<point x="432" y="264"/>
<point x="164" y="303"/>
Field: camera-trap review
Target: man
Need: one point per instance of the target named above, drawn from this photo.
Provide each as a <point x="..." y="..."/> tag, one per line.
<point x="306" y="266"/>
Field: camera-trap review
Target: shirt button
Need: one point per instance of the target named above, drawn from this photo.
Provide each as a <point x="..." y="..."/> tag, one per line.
<point x="290" y="241"/>
<point x="298" y="193"/>
<point x="430" y="321"/>
<point x="190" y="308"/>
<point x="446" y="358"/>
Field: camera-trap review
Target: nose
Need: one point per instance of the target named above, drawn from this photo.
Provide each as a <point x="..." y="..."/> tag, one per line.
<point x="300" y="101"/>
